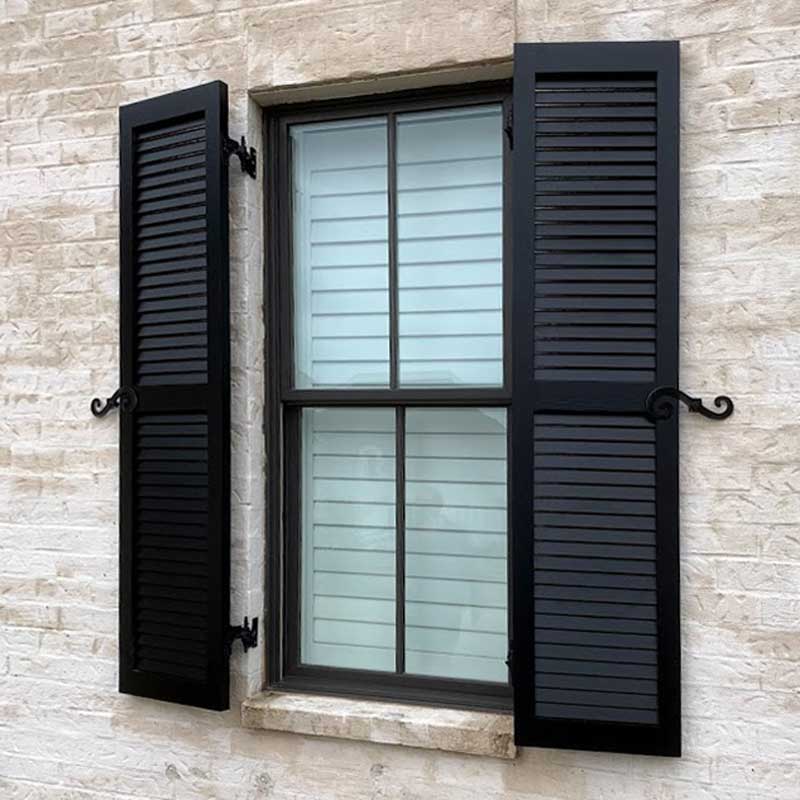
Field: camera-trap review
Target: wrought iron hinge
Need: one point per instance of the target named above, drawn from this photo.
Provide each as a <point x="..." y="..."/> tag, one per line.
<point x="247" y="634"/>
<point x="245" y="154"/>
<point x="508" y="127"/>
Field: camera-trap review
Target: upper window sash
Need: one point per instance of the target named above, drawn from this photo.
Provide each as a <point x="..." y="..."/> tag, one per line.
<point x="439" y="177"/>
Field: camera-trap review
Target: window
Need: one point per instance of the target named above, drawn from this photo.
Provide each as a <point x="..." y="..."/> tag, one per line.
<point x="389" y="397"/>
<point x="392" y="407"/>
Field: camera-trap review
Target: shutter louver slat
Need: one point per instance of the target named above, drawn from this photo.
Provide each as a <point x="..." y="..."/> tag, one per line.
<point x="594" y="511"/>
<point x="562" y="620"/>
<point x="619" y="235"/>
<point x="174" y="552"/>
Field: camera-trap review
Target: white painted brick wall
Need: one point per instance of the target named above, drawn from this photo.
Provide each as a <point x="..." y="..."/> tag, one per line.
<point x="65" y="66"/>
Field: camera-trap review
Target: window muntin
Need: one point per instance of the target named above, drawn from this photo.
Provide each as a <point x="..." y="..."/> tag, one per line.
<point x="452" y="685"/>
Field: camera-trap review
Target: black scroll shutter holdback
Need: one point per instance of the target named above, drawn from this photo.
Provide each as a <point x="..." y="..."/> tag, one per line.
<point x="595" y="657"/>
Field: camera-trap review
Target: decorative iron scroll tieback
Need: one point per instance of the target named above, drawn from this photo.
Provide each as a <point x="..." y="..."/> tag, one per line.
<point x="658" y="405"/>
<point x="124" y="399"/>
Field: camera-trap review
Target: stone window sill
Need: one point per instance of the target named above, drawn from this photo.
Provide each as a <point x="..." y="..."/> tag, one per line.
<point x="477" y="733"/>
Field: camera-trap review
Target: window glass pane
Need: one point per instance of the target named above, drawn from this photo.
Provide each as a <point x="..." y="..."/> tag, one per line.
<point x="340" y="253"/>
<point x="450" y="187"/>
<point x="348" y="538"/>
<point x="456" y="595"/>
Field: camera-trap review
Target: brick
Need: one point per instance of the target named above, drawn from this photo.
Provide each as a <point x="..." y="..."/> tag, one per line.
<point x="124" y="13"/>
<point x="41" y="154"/>
<point x="781" y="612"/>
<point x="76" y="20"/>
<point x="699" y="670"/>
<point x="85" y="151"/>
<point x="781" y="777"/>
<point x="34" y="104"/>
<point x="58" y="179"/>
<point x="765" y="113"/>
<point x="151" y="36"/>
<point x="758" y="576"/>
<point x="80" y="126"/>
<point x="198" y="57"/>
<point x="184" y="8"/>
<point x="757" y="46"/>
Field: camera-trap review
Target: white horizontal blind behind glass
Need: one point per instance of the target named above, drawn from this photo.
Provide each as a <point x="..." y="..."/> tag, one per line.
<point x="450" y="225"/>
<point x="456" y="617"/>
<point x="348" y="538"/>
<point x="340" y="253"/>
<point x="449" y="182"/>
<point x="456" y="540"/>
<point x="449" y="198"/>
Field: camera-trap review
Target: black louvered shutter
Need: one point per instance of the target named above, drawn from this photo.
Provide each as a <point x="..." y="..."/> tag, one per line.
<point x="594" y="481"/>
<point x="175" y="443"/>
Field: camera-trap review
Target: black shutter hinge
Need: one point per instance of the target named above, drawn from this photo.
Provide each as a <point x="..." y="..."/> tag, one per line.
<point x="510" y="658"/>
<point x="247" y="634"/>
<point x="508" y="127"/>
<point x="245" y="154"/>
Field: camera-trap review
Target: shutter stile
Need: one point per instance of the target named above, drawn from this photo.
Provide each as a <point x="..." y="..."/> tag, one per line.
<point x="174" y="452"/>
<point x="594" y="480"/>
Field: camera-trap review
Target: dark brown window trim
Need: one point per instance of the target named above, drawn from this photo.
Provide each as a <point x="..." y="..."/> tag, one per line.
<point x="284" y="404"/>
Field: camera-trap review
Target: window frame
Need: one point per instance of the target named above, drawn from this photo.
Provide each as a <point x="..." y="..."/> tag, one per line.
<point x="284" y="403"/>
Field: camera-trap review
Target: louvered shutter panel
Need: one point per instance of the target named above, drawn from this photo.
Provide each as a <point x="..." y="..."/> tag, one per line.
<point x="596" y="649"/>
<point x="174" y="450"/>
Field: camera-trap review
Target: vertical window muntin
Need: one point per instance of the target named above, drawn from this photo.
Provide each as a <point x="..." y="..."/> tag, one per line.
<point x="405" y="399"/>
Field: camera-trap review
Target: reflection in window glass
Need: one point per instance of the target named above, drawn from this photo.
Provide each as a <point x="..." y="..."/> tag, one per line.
<point x="456" y="619"/>
<point x="449" y="181"/>
<point x="340" y="254"/>
<point x="348" y="538"/>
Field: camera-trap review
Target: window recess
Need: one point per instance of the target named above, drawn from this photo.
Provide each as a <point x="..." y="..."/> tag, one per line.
<point x="393" y="395"/>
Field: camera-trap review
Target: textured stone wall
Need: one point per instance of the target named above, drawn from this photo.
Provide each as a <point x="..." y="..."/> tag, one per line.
<point x="65" y="67"/>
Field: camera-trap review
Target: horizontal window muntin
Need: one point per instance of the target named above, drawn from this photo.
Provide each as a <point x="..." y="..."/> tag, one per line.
<point x="295" y="669"/>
